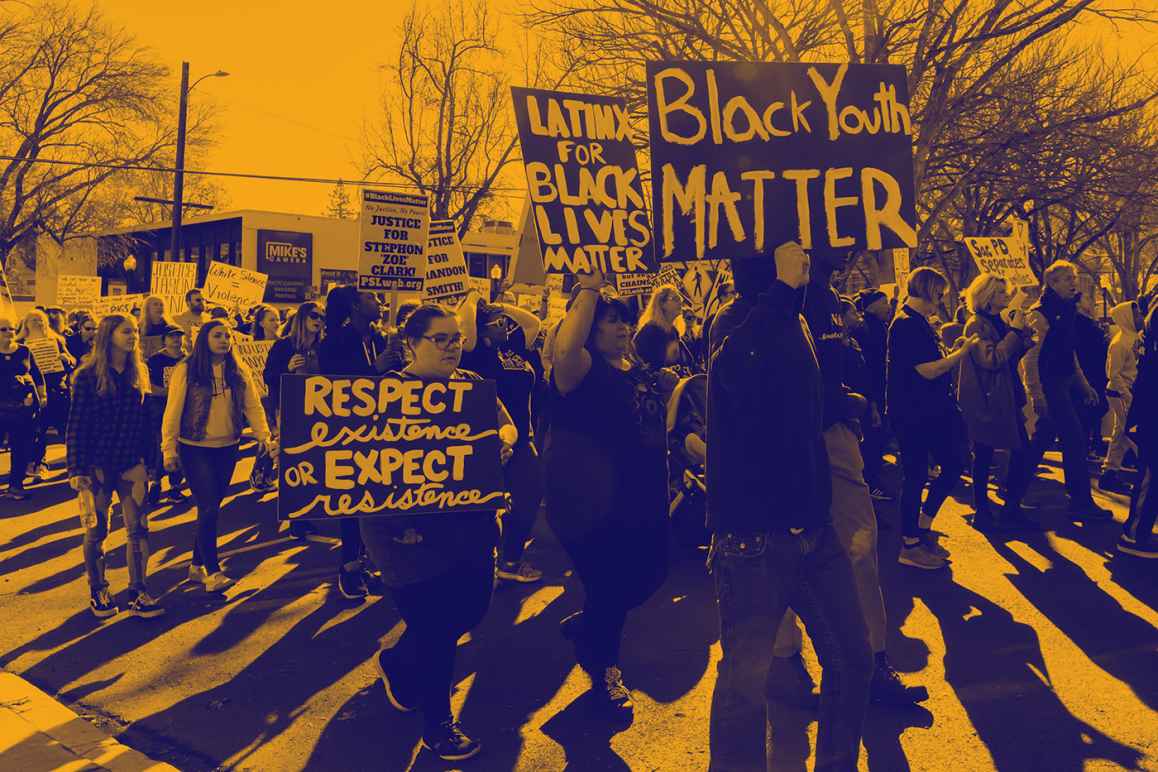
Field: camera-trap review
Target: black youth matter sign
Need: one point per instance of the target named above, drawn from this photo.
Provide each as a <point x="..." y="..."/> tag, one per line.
<point x="287" y="257"/>
<point x="747" y="156"/>
<point x="587" y="200"/>
<point x="386" y="446"/>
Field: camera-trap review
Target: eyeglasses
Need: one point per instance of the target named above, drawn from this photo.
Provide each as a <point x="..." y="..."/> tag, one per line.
<point x="442" y="341"/>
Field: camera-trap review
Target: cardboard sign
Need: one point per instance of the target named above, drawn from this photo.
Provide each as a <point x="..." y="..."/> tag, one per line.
<point x="588" y="202"/>
<point x="254" y="354"/>
<point x="554" y="282"/>
<point x="446" y="274"/>
<point x="47" y="355"/>
<point x="747" y="156"/>
<point x="556" y="308"/>
<point x="385" y="446"/>
<point x="287" y="258"/>
<point x="77" y="293"/>
<point x="328" y="278"/>
<point x="233" y="287"/>
<point x="171" y="281"/>
<point x="634" y="283"/>
<point x="481" y="285"/>
<point x="1002" y="255"/>
<point x="394" y="229"/>
<point x="117" y="304"/>
<point x="901" y="271"/>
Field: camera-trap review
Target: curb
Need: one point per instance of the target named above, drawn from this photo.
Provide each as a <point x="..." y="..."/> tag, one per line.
<point x="37" y="732"/>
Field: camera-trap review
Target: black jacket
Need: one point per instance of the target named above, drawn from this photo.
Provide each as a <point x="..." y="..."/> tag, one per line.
<point x="874" y="339"/>
<point x="1059" y="347"/>
<point x="767" y="466"/>
<point x="1142" y="419"/>
<point x="826" y="323"/>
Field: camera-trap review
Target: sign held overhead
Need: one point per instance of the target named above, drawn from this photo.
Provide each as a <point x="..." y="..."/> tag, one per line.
<point x="394" y="232"/>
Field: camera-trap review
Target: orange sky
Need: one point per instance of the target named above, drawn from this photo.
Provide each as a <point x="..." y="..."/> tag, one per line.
<point x="304" y="79"/>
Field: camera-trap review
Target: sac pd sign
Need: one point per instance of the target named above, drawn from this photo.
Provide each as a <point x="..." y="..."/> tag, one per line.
<point x="385" y="446"/>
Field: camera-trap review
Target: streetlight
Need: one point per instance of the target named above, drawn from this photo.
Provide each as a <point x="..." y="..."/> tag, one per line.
<point x="179" y="174"/>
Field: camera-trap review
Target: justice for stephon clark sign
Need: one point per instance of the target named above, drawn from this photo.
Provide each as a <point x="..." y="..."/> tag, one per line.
<point x="394" y="232"/>
<point x="747" y="156"/>
<point x="386" y="446"/>
<point x="587" y="199"/>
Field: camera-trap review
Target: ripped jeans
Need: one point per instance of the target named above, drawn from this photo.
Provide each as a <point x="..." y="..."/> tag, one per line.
<point x="758" y="576"/>
<point x="130" y="487"/>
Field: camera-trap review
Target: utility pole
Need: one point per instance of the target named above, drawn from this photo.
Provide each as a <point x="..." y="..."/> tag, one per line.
<point x="179" y="173"/>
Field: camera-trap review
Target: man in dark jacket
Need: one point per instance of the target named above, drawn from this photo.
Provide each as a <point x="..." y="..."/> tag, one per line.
<point x="1142" y="426"/>
<point x="773" y="544"/>
<point x="873" y="337"/>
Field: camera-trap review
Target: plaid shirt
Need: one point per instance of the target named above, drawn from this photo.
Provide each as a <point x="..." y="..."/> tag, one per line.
<point x="110" y="433"/>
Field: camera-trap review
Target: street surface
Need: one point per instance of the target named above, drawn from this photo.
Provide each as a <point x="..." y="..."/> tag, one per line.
<point x="1040" y="652"/>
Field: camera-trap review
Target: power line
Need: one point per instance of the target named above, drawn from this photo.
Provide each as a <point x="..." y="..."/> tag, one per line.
<point x="511" y="192"/>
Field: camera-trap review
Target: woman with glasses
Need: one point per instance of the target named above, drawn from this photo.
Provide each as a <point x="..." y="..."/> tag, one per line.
<point x="439" y="568"/>
<point x="80" y="342"/>
<point x="354" y="346"/>
<point x="606" y="461"/>
<point x="22" y="394"/>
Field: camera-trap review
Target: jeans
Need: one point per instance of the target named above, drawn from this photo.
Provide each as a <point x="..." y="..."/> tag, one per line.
<point x="1022" y="465"/>
<point x="942" y="440"/>
<point x="758" y="576"/>
<point x="524" y="473"/>
<point x="437" y="612"/>
<point x="1143" y="503"/>
<point x="872" y="451"/>
<point x="20" y="443"/>
<point x="855" y="523"/>
<point x="209" y="471"/>
<point x="1119" y="442"/>
<point x="130" y="487"/>
<point x="1062" y="400"/>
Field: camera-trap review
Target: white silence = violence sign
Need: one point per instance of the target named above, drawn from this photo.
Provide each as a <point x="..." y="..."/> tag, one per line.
<point x="230" y="286"/>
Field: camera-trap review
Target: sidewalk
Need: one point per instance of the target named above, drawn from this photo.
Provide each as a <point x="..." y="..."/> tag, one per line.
<point x="38" y="733"/>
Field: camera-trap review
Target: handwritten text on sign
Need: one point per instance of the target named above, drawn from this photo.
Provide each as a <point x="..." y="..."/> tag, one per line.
<point x="584" y="185"/>
<point x="117" y="304"/>
<point x="1003" y="255"/>
<point x="77" y="292"/>
<point x="747" y="156"/>
<point x="394" y="230"/>
<point x="171" y="281"/>
<point x="254" y="354"/>
<point x="386" y="446"/>
<point x="446" y="274"/>
<point x="230" y="286"/>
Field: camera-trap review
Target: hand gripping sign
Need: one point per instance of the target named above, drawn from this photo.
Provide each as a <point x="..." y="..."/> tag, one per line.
<point x="385" y="446"/>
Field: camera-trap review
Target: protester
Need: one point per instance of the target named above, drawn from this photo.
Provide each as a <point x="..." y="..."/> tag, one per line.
<point x="440" y="569"/>
<point x="266" y="323"/>
<point x="665" y="308"/>
<point x="80" y="342"/>
<point x="687" y="433"/>
<point x="210" y="393"/>
<point x="36" y="327"/>
<point x="109" y="448"/>
<point x="1121" y="371"/>
<point x="873" y="337"/>
<point x="160" y="367"/>
<point x="606" y="479"/>
<point x="774" y="546"/>
<point x="1142" y="423"/>
<point x="486" y="350"/>
<point x="924" y="414"/>
<point x="992" y="400"/>
<point x="152" y="326"/>
<point x="1058" y="387"/>
<point x="22" y="398"/>
<point x="354" y="346"/>
<point x="1093" y="348"/>
<point x="658" y="349"/>
<point x="194" y="314"/>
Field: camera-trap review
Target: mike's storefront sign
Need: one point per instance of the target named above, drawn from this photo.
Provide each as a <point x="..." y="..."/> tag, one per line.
<point x="746" y="156"/>
<point x="287" y="258"/>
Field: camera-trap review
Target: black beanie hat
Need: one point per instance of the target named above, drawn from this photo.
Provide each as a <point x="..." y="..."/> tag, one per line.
<point x="867" y="297"/>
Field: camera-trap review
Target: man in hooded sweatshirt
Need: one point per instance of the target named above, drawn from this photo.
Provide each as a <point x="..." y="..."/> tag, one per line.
<point x="1121" y="371"/>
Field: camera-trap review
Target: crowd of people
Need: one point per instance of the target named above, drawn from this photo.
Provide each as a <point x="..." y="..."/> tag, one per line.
<point x="760" y="434"/>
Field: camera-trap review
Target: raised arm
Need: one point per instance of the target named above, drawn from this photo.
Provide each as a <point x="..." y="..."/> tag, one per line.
<point x="571" y="359"/>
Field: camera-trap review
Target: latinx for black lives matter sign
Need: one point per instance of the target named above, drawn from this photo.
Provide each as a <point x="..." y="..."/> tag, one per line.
<point x="387" y="446"/>
<point x="588" y="204"/>
<point x="747" y="156"/>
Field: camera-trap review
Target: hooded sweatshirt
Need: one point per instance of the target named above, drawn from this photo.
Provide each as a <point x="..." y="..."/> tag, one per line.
<point x="1122" y="359"/>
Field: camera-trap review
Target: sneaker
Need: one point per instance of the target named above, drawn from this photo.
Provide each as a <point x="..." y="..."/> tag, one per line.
<point x="450" y="743"/>
<point x="934" y="546"/>
<point x="790" y="682"/>
<point x="1090" y="511"/>
<point x="38" y="472"/>
<point x="302" y="529"/>
<point x="145" y="607"/>
<point x="1130" y="546"/>
<point x="15" y="494"/>
<point x="880" y="494"/>
<point x="352" y="584"/>
<point x="400" y="701"/>
<point x="887" y="688"/>
<point x="217" y="582"/>
<point x="920" y="556"/>
<point x="614" y="691"/>
<point x="102" y="605"/>
<point x="1110" y="481"/>
<point x="176" y="495"/>
<point x="197" y="574"/>
<point x="520" y="571"/>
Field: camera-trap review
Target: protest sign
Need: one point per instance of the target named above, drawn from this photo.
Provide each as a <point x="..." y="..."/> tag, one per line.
<point x="556" y="308"/>
<point x="481" y="285"/>
<point x="586" y="195"/>
<point x="634" y="283"/>
<point x="527" y="302"/>
<point x="669" y="274"/>
<point x="747" y="156"/>
<point x="46" y="352"/>
<point x="6" y="304"/>
<point x="554" y="282"/>
<point x="77" y="293"/>
<point x="1002" y="255"/>
<point x="901" y="270"/>
<point x="254" y="354"/>
<point x="446" y="274"/>
<point x="394" y="228"/>
<point x="328" y="278"/>
<point x="117" y="304"/>
<point x="385" y="446"/>
<point x="287" y="258"/>
<point x="233" y="287"/>
<point x="171" y="281"/>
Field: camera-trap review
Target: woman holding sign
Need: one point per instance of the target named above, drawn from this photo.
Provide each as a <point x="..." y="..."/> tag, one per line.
<point x="209" y="394"/>
<point x="606" y="478"/>
<point x="22" y="394"/>
<point x="56" y="364"/>
<point x="440" y="568"/>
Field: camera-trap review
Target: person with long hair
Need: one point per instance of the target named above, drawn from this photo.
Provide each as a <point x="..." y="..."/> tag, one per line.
<point x="161" y="367"/>
<point x="152" y="326"/>
<point x="440" y="570"/>
<point x="665" y="308"/>
<point x="210" y="393"/>
<point x="607" y="479"/>
<point x="109" y="446"/>
<point x="266" y="322"/>
<point x="36" y="327"/>
<point x="22" y="397"/>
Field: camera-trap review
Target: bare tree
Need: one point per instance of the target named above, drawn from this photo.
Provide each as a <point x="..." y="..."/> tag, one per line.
<point x="339" y="205"/>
